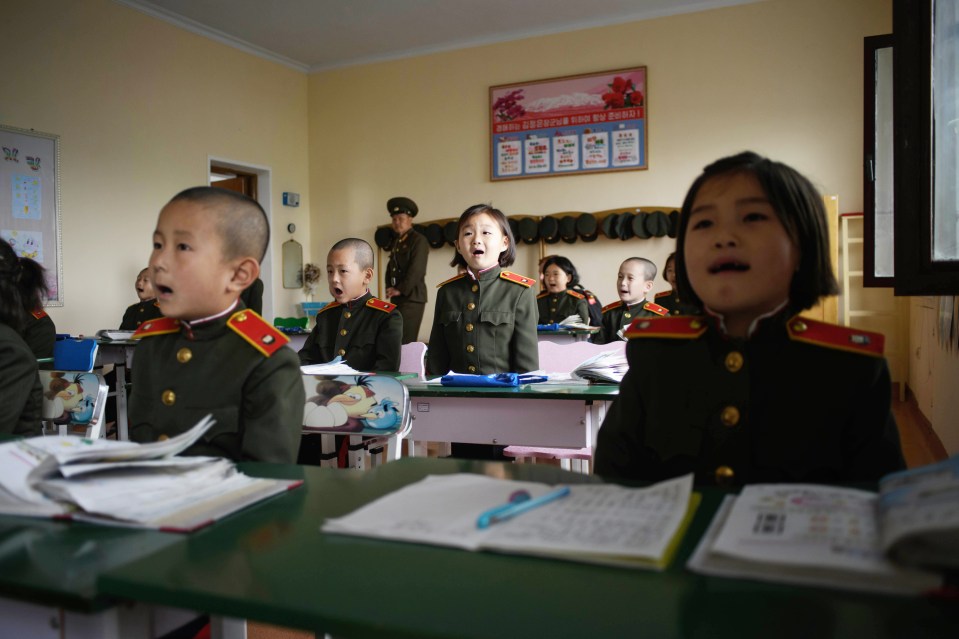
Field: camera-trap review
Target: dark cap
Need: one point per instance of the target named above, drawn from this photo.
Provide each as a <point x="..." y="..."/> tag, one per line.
<point x="434" y="235"/>
<point x="401" y="205"/>
<point x="610" y="226"/>
<point x="657" y="224"/>
<point x="567" y="229"/>
<point x="586" y="227"/>
<point x="514" y="228"/>
<point x="549" y="230"/>
<point x="639" y="225"/>
<point x="673" y="224"/>
<point x="450" y="231"/>
<point x="528" y="230"/>
<point x="626" y="225"/>
<point x="383" y="237"/>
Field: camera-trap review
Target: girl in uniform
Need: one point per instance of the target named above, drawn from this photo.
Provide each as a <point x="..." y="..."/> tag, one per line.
<point x="559" y="300"/>
<point x="21" y="395"/>
<point x="750" y="391"/>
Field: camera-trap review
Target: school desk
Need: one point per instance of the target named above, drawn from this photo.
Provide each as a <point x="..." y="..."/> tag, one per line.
<point x="531" y="415"/>
<point x="566" y="335"/>
<point x="271" y="563"/>
<point x="120" y="354"/>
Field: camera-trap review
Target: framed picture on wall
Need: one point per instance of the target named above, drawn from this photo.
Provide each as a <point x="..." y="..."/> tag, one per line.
<point x="30" y="201"/>
<point x="590" y="123"/>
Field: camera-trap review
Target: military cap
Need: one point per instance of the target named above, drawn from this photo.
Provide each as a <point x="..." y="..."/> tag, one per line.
<point x="383" y="237"/>
<point x="514" y="228"/>
<point x="626" y="225"/>
<point x="586" y="227"/>
<point x="567" y="229"/>
<point x="549" y="230"/>
<point x="611" y="226"/>
<point x="528" y="230"/>
<point x="450" y="231"/>
<point x="673" y="224"/>
<point x="434" y="235"/>
<point x="639" y="225"/>
<point x="657" y="224"/>
<point x="420" y="228"/>
<point x="401" y="205"/>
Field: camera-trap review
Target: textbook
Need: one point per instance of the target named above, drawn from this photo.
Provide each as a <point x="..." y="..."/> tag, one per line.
<point x="607" y="367"/>
<point x="594" y="523"/>
<point x="115" y="334"/>
<point x="893" y="542"/>
<point x="125" y="483"/>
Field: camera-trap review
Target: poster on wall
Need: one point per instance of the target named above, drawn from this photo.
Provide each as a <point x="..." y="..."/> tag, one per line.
<point x="590" y="123"/>
<point x="30" y="201"/>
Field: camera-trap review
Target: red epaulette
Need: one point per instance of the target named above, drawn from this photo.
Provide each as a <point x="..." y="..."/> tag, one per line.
<point x="613" y="305"/>
<point x="669" y="327"/>
<point x="576" y="294"/>
<point x="159" y="326"/>
<point x="844" y="338"/>
<point x="328" y="307"/>
<point x="516" y="278"/>
<point x="664" y="293"/>
<point x="542" y="295"/>
<point x="653" y="307"/>
<point x="452" y="279"/>
<point x="39" y="313"/>
<point x="380" y="305"/>
<point x="257" y="332"/>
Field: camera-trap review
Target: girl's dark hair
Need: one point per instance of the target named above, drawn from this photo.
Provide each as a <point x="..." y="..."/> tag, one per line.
<point x="800" y="209"/>
<point x="11" y="309"/>
<point x="32" y="285"/>
<point x="508" y="256"/>
<point x="565" y="265"/>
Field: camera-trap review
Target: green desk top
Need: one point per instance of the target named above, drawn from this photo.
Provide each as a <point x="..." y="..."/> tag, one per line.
<point x="271" y="563"/>
<point x="527" y="391"/>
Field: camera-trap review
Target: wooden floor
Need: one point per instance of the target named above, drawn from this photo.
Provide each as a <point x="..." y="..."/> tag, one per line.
<point x="920" y="446"/>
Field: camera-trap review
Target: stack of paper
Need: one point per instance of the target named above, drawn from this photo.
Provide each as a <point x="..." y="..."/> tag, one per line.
<point x="596" y="523"/>
<point x="608" y="366"/>
<point x="575" y="321"/>
<point x="335" y="367"/>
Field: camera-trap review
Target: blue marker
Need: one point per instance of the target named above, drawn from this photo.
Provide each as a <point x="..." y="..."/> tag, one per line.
<point x="519" y="502"/>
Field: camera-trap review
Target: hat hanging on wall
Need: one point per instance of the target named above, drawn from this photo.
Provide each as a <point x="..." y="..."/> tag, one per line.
<point x="549" y="230"/>
<point x="610" y="226"/>
<point x="586" y="227"/>
<point x="420" y="228"/>
<point x="626" y="225"/>
<point x="639" y="225"/>
<point x="673" y="224"/>
<point x="514" y="228"/>
<point x="657" y="224"/>
<point x="383" y="237"/>
<point x="528" y="230"/>
<point x="567" y="229"/>
<point x="449" y="232"/>
<point x="434" y="235"/>
<point x="401" y="205"/>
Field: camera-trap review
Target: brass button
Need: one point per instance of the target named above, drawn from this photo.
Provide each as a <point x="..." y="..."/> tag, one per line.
<point x="724" y="475"/>
<point x="168" y="397"/>
<point x="552" y="309"/>
<point x="471" y="368"/>
<point x="241" y="317"/>
<point x="470" y="348"/>
<point x="627" y="315"/>
<point x="695" y="324"/>
<point x="343" y="331"/>
<point x="734" y="361"/>
<point x="162" y="438"/>
<point x="729" y="416"/>
<point x="469" y="328"/>
<point x="470" y="306"/>
<point x="346" y="314"/>
<point x="184" y="355"/>
<point x="341" y="352"/>
<point x="474" y="288"/>
<point x="800" y="326"/>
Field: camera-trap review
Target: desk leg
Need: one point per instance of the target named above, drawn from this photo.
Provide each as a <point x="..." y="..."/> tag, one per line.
<point x="227" y="628"/>
<point x="122" y="427"/>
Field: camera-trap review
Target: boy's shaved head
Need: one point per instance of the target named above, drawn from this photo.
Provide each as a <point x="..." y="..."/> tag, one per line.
<point x="362" y="251"/>
<point x="241" y="221"/>
<point x="649" y="269"/>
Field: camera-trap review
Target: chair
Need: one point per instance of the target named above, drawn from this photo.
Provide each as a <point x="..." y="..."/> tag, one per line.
<point x="413" y="359"/>
<point x="373" y="410"/>
<point x="563" y="358"/>
<point x="73" y="400"/>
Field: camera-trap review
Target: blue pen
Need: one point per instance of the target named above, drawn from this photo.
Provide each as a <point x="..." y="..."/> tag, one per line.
<point x="519" y="502"/>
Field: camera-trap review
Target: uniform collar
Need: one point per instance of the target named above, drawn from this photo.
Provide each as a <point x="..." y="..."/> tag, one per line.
<point x="205" y="320"/>
<point x="358" y="301"/>
<point x="485" y="274"/>
<point x="720" y="322"/>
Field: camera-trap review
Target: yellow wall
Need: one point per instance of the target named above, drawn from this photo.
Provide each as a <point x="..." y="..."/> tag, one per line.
<point x="139" y="106"/>
<point x="780" y="77"/>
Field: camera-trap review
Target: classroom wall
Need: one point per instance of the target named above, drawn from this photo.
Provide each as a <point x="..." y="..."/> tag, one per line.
<point x="140" y="105"/>
<point x="780" y="77"/>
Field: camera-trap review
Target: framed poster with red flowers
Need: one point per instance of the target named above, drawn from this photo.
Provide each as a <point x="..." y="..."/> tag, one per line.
<point x="590" y="123"/>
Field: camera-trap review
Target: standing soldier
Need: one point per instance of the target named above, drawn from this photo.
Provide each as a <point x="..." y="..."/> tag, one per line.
<point x="406" y="271"/>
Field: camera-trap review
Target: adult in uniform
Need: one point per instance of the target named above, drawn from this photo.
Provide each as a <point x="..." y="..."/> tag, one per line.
<point x="406" y="270"/>
<point x="39" y="331"/>
<point x="618" y="315"/>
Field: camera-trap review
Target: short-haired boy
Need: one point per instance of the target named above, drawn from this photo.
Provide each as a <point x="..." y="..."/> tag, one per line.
<point x="633" y="283"/>
<point x="209" y="354"/>
<point x="365" y="331"/>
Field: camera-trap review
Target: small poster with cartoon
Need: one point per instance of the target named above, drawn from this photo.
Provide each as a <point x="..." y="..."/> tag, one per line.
<point x="360" y="404"/>
<point x="70" y="398"/>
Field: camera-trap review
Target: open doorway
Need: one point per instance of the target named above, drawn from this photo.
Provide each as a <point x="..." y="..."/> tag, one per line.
<point x="253" y="181"/>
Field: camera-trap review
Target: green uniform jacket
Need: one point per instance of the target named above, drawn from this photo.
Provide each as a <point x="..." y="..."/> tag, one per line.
<point x="138" y="313"/>
<point x="21" y="396"/>
<point x="40" y="333"/>
<point x="799" y="401"/>
<point x="555" y="307"/>
<point x="406" y="270"/>
<point x="484" y="326"/>
<point x="617" y="316"/>
<point x="252" y="296"/>
<point x="670" y="300"/>
<point x="366" y="333"/>
<point x="256" y="399"/>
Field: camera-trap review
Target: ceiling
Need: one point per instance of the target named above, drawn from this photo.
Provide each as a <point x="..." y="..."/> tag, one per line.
<point x="314" y="35"/>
